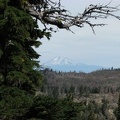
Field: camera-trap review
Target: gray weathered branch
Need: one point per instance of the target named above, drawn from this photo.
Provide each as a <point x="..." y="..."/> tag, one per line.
<point x="49" y="12"/>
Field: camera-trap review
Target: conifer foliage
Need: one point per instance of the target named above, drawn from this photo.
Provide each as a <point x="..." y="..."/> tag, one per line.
<point x="18" y="32"/>
<point x="118" y="109"/>
<point x="18" y="78"/>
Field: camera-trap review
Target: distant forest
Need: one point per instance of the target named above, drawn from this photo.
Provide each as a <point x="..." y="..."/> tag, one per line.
<point x="100" y="87"/>
<point x="80" y="84"/>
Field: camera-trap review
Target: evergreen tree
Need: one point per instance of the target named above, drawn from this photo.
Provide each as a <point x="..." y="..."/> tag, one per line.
<point x="118" y="109"/>
<point x="67" y="109"/>
<point x="14" y="103"/>
<point x="18" y="35"/>
<point x="43" y="108"/>
<point x="18" y="78"/>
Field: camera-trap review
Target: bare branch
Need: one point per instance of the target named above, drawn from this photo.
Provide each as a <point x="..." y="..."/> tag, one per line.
<point x="49" y="12"/>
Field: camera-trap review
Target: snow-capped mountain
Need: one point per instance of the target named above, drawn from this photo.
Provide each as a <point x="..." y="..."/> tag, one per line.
<point x="66" y="65"/>
<point x="60" y="61"/>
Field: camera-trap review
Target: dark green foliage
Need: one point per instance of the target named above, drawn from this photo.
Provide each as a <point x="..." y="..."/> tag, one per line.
<point x="19" y="80"/>
<point x="18" y="35"/>
<point x="14" y="103"/>
<point x="49" y="108"/>
<point x="44" y="108"/>
<point x="67" y="109"/>
<point x="117" y="111"/>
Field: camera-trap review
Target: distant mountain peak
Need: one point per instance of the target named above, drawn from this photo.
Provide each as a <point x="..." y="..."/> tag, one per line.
<point x="65" y="64"/>
<point x="60" y="61"/>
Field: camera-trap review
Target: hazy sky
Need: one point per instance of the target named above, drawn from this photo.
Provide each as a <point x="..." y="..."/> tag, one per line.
<point x="85" y="47"/>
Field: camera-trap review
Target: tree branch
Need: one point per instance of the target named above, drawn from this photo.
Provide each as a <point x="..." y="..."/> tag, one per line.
<point x="49" y="12"/>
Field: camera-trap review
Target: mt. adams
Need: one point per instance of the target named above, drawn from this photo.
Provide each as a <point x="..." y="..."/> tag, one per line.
<point x="66" y="65"/>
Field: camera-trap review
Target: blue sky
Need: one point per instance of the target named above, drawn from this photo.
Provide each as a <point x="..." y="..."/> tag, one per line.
<point x="85" y="47"/>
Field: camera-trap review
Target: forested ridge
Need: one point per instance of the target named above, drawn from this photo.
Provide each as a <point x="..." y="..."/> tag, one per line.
<point x="101" y="81"/>
<point x="100" y="87"/>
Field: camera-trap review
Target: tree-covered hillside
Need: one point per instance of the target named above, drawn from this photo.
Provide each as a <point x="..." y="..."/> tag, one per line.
<point x="102" y="87"/>
<point x="100" y="82"/>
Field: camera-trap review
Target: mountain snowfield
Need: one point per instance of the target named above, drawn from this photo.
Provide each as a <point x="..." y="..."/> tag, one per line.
<point x="64" y="64"/>
<point x="60" y="61"/>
